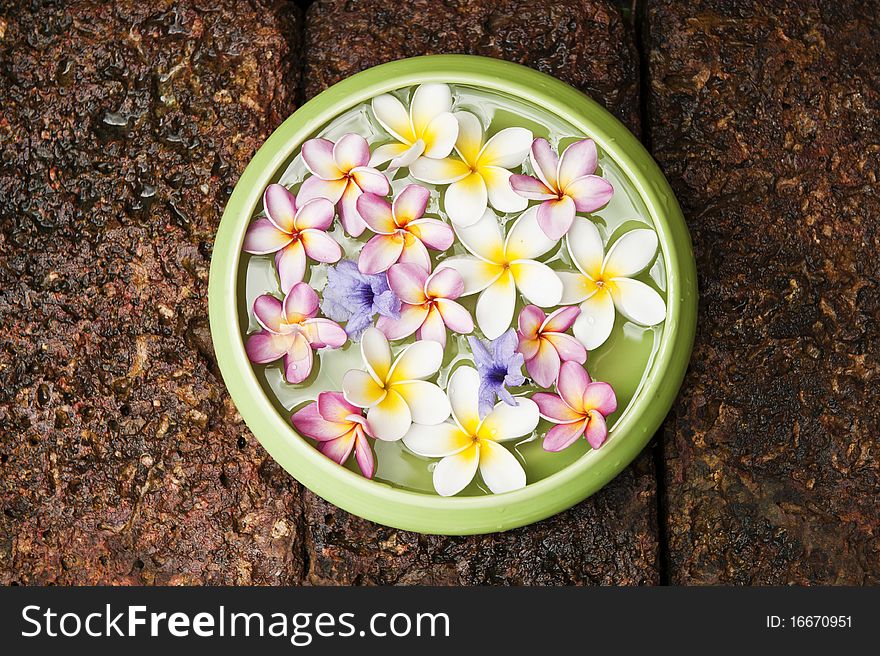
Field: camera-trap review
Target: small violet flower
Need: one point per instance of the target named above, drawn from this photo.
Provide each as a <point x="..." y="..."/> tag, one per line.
<point x="564" y="185"/>
<point x="292" y="231"/>
<point x="290" y="331"/>
<point x="469" y="443"/>
<point x="395" y="391"/>
<point x="603" y="282"/>
<point x="580" y="408"/>
<point x="428" y="129"/>
<point x="401" y="233"/>
<point x="338" y="427"/>
<point x="481" y="175"/>
<point x="428" y="304"/>
<point x="340" y="174"/>
<point x="499" y="366"/>
<point x="355" y="298"/>
<point x="544" y="344"/>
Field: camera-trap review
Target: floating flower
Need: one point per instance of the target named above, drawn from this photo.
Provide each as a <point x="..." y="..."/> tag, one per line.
<point x="429" y="129"/>
<point x="565" y="185"/>
<point x="401" y="232"/>
<point x="355" y="298"/>
<point x="396" y="394"/>
<point x="340" y="174"/>
<point x="471" y="443"/>
<point x="500" y="266"/>
<point x="290" y="331"/>
<point x="499" y="366"/>
<point x="580" y="408"/>
<point x="338" y="427"/>
<point x="604" y="283"/>
<point x="544" y="344"/>
<point x="481" y="177"/>
<point x="292" y="232"/>
<point x="428" y="304"/>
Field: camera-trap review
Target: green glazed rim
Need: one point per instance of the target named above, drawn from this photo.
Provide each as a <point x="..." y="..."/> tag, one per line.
<point x="429" y="513"/>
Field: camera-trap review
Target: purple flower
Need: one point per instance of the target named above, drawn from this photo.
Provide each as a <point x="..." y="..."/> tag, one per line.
<point x="356" y="297"/>
<point x="499" y="366"/>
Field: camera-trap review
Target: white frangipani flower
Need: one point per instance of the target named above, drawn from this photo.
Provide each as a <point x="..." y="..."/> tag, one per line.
<point x="469" y="443"/>
<point x="604" y="282"/>
<point x="499" y="266"/>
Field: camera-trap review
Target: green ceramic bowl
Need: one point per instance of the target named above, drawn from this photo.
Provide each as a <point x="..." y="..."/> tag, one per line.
<point x="556" y="487"/>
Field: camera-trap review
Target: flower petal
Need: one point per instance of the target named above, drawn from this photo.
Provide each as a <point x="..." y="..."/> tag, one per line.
<point x="444" y="283"/>
<point x="315" y="214"/>
<point x="556" y="216"/>
<point x="589" y="193"/>
<point x="495" y="306"/>
<point x="392" y="116"/>
<point x="537" y="282"/>
<point x="586" y="248"/>
<point x="507" y="422"/>
<point x="348" y="213"/>
<point x="477" y="274"/>
<point x="562" y="436"/>
<point x="333" y="407"/>
<point x="596" y="431"/>
<point x="433" y="233"/>
<point x="567" y="347"/>
<point x="269" y="312"/>
<point x="339" y="449"/>
<point x="350" y="151"/>
<point x="531" y="318"/>
<point x="389" y="152"/>
<point x="463" y="390"/>
<point x="571" y="385"/>
<point x="428" y="403"/>
<point x="314" y="187"/>
<point x="280" y="206"/>
<point x="630" y="254"/>
<point x="483" y="238"/>
<point x="554" y="409"/>
<point x="544" y="366"/>
<point x="466" y="200"/>
<point x="411" y="318"/>
<point x="637" y="301"/>
<point x="264" y="347"/>
<point x="409" y="204"/>
<point x="544" y="162"/>
<point x="456" y="318"/>
<point x="390" y="419"/>
<point x="501" y="195"/>
<point x="530" y="188"/>
<point x="323" y="333"/>
<point x="317" y="155"/>
<point x="408" y="282"/>
<point x="436" y="441"/>
<point x="594" y="325"/>
<point x="290" y="262"/>
<point x="380" y="253"/>
<point x="470" y="137"/>
<point x="500" y="469"/>
<point x="263" y="237"/>
<point x="376" y="213"/>
<point x="360" y="389"/>
<point x="560" y="320"/>
<point x="455" y="472"/>
<point x="601" y="397"/>
<point x="298" y="360"/>
<point x="371" y="180"/>
<point x="414" y="252"/>
<point x="526" y="240"/>
<point x="440" y="136"/>
<point x="429" y="101"/>
<point x="578" y="160"/>
<point x="507" y="148"/>
<point x="320" y="246"/>
<point x="376" y="354"/>
<point x="576" y="287"/>
<point x="300" y="303"/>
<point x="407" y="157"/>
<point x="363" y="453"/>
<point x="433" y="328"/>
<point x="439" y="171"/>
<point x="416" y="362"/>
<point x="310" y="422"/>
<point x="528" y="346"/>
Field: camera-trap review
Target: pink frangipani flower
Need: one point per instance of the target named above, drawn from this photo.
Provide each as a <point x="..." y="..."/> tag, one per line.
<point x="428" y="304"/>
<point x="290" y="330"/>
<point x="338" y="427"/>
<point x="564" y="185"/>
<point x="292" y="232"/>
<point x="544" y="344"/>
<point x="340" y="173"/>
<point x="580" y="408"/>
<point x="401" y="233"/>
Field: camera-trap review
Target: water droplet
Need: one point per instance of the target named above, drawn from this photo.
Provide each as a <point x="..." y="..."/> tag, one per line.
<point x="293" y="366"/>
<point x="591" y="320"/>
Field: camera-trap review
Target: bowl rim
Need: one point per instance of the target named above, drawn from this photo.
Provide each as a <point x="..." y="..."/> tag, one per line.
<point x="417" y="511"/>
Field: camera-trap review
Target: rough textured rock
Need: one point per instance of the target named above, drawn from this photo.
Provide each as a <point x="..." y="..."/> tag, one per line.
<point x="123" y="127"/>
<point x="766" y="118"/>
<point x="611" y="538"/>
